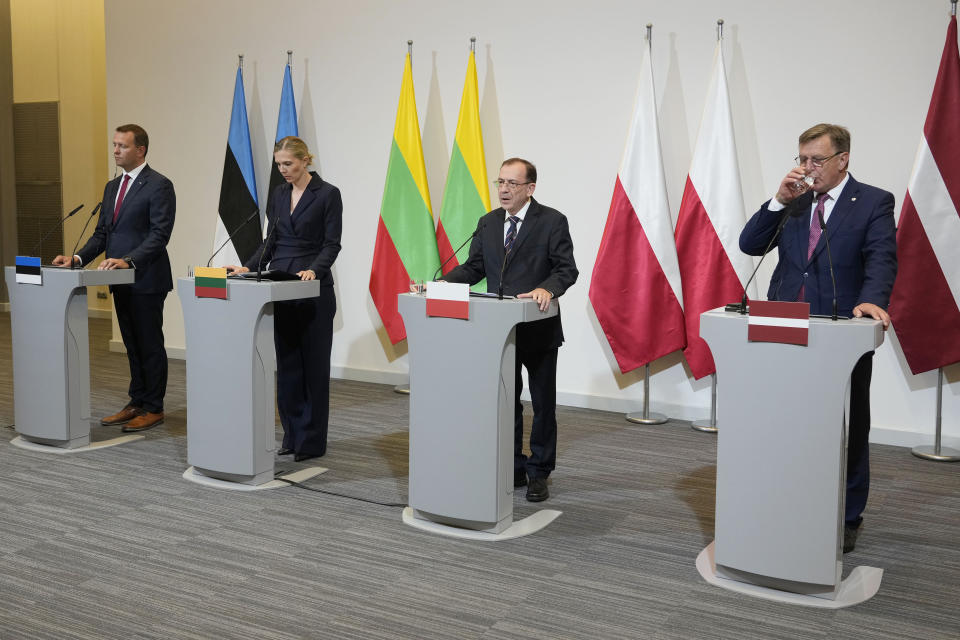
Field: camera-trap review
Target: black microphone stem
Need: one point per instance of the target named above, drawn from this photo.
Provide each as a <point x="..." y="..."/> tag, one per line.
<point x="39" y="244"/>
<point x="266" y="242"/>
<point x="230" y="237"/>
<point x="833" y="279"/>
<point x="73" y="264"/>
<point x="456" y="251"/>
<point x="783" y="221"/>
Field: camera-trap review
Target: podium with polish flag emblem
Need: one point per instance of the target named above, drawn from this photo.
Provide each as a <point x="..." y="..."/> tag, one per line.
<point x="462" y="374"/>
<point x="781" y="455"/>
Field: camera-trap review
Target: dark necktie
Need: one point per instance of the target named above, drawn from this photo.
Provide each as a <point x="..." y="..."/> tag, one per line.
<point x="511" y="234"/>
<point x="123" y="192"/>
<point x="815" y="232"/>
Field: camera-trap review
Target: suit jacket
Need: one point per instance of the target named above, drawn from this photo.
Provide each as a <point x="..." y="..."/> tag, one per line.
<point x="542" y="256"/>
<point x="863" y="243"/>
<point x="141" y="232"/>
<point x="307" y="238"/>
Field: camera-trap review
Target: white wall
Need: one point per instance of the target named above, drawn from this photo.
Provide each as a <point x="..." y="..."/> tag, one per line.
<point x="557" y="82"/>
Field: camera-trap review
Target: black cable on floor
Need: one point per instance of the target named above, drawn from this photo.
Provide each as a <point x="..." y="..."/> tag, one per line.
<point x="339" y="495"/>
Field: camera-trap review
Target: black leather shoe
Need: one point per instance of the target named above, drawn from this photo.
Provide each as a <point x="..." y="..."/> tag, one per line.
<point x="519" y="478"/>
<point x="284" y="451"/>
<point x="537" y="490"/>
<point x="850" y="538"/>
<point x="300" y="457"/>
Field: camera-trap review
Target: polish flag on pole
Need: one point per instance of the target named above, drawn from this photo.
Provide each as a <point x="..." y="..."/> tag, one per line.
<point x="712" y="268"/>
<point x="635" y="287"/>
<point x="925" y="303"/>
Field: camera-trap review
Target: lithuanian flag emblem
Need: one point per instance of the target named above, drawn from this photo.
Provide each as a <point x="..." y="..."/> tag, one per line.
<point x="210" y="282"/>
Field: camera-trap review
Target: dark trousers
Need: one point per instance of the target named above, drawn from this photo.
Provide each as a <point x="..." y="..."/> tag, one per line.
<point x="858" y="441"/>
<point x="541" y="369"/>
<point x="303" y="335"/>
<point x="140" y="316"/>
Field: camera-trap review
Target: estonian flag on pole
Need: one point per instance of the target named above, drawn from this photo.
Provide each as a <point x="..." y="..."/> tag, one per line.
<point x="238" y="190"/>
<point x="286" y="126"/>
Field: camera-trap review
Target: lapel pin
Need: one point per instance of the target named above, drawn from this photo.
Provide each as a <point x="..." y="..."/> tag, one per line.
<point x="853" y="199"/>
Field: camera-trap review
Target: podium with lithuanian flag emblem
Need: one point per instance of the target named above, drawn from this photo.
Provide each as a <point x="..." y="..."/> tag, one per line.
<point x="231" y="361"/>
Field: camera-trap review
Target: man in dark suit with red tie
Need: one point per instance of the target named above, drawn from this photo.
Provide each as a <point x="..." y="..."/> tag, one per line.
<point x="524" y="249"/>
<point x="863" y="246"/>
<point x="136" y="220"/>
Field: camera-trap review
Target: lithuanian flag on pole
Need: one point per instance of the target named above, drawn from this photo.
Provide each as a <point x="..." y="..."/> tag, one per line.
<point x="406" y="247"/>
<point x="466" y="196"/>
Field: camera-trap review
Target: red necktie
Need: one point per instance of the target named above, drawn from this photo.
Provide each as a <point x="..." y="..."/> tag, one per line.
<point x="123" y="192"/>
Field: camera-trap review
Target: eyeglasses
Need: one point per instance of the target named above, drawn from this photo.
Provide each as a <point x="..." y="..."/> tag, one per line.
<point x="510" y="184"/>
<point x="817" y="162"/>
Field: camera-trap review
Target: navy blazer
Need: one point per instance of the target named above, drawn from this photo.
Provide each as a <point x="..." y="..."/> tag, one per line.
<point x="542" y="256"/>
<point x="863" y="243"/>
<point x="141" y="232"/>
<point x="307" y="238"/>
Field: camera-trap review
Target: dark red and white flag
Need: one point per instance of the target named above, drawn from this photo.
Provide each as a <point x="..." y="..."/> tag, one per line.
<point x="925" y="304"/>
<point x="784" y="322"/>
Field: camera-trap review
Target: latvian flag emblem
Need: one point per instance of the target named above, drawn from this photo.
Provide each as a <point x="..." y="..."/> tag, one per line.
<point x="210" y="282"/>
<point x="448" y="300"/>
<point x="785" y="322"/>
<point x="28" y="270"/>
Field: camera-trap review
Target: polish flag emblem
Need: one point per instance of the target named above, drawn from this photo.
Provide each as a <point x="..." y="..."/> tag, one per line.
<point x="448" y="300"/>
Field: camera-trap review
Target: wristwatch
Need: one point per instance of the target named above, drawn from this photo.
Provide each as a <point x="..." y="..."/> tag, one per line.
<point x="129" y="261"/>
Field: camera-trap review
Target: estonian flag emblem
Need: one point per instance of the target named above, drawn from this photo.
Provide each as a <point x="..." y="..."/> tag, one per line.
<point x="28" y="270"/>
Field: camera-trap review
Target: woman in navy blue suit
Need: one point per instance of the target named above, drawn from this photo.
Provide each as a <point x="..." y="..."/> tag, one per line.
<point x="303" y="238"/>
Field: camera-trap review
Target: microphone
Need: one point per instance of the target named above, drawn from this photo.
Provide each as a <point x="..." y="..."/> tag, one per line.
<point x="788" y="213"/>
<point x="457" y="250"/>
<point x="54" y="228"/>
<point x="235" y="231"/>
<point x="266" y="242"/>
<point x="503" y="265"/>
<point x="833" y="279"/>
<point x="73" y="264"/>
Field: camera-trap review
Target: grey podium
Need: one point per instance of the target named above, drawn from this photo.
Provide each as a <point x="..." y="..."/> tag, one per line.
<point x="51" y="357"/>
<point x="781" y="461"/>
<point x="461" y="418"/>
<point x="231" y="362"/>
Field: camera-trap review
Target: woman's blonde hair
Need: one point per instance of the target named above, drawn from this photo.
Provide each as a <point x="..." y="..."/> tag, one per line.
<point x="296" y="146"/>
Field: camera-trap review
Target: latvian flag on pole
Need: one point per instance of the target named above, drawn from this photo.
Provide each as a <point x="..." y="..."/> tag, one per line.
<point x="448" y="300"/>
<point x="925" y="303"/>
<point x="28" y="270"/>
<point x="712" y="267"/>
<point x="784" y="322"/>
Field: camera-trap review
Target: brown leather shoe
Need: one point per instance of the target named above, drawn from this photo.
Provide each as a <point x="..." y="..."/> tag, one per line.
<point x="143" y="422"/>
<point x="123" y="416"/>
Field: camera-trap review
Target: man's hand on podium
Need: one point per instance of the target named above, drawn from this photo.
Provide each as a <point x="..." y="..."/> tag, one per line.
<point x="872" y="310"/>
<point x="63" y="261"/>
<point x="113" y="263"/>
<point x="541" y="296"/>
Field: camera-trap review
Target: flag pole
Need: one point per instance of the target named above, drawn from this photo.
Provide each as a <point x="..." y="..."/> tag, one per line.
<point x="404" y="388"/>
<point x="938" y="452"/>
<point x="710" y="426"/>
<point x="473" y="44"/>
<point x="290" y="59"/>
<point x="240" y="62"/>
<point x="646" y="417"/>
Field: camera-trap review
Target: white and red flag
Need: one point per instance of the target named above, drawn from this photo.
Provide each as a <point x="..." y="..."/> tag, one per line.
<point x="448" y="300"/>
<point x="712" y="267"/>
<point x="635" y="287"/>
<point x="925" y="304"/>
<point x="784" y="322"/>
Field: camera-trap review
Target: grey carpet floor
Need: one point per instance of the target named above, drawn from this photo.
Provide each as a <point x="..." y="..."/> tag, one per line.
<point x="115" y="544"/>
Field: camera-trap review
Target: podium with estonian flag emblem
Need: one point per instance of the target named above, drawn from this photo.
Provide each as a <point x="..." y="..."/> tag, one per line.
<point x="783" y="379"/>
<point x="231" y="366"/>
<point x="51" y="353"/>
<point x="462" y="368"/>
